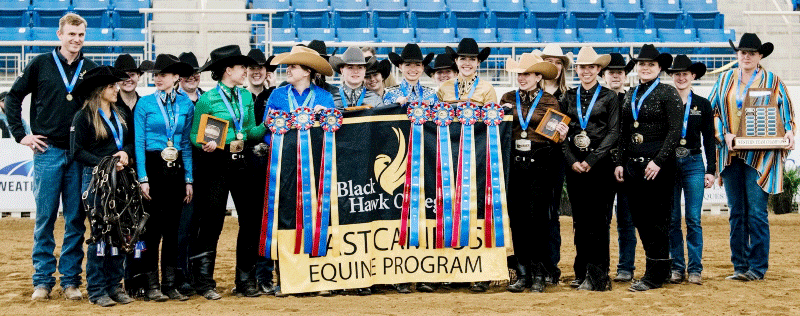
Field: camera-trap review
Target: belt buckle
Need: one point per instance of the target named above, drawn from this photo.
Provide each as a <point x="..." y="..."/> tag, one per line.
<point x="236" y="156"/>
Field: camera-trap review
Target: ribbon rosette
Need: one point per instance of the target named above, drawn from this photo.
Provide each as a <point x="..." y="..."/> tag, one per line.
<point x="493" y="207"/>
<point x="303" y="120"/>
<point x="413" y="192"/>
<point x="278" y="122"/>
<point x="468" y="114"/>
<point x="331" y="121"/>
<point x="443" y="115"/>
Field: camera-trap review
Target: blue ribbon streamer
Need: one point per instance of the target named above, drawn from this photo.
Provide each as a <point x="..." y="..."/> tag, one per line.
<point x="274" y="161"/>
<point x="447" y="171"/>
<point x="497" y="203"/>
<point x="305" y="154"/>
<point x="416" y="153"/>
<point x="634" y="107"/>
<point x="326" y="193"/>
<point x="465" y="184"/>
<point x="68" y="84"/>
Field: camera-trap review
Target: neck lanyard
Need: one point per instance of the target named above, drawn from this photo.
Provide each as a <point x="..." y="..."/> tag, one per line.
<point x="636" y="107"/>
<point x="293" y="102"/>
<point x="69" y="84"/>
<point x="471" y="91"/>
<point x="686" y="115"/>
<point x="237" y="121"/>
<point x="171" y="126"/>
<point x="524" y="123"/>
<point x="584" y="120"/>
<point x="344" y="97"/>
<point x="404" y="87"/>
<point x="739" y="95"/>
<point x="117" y="135"/>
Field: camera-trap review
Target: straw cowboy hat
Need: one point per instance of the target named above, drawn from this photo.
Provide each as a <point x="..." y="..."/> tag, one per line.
<point x="553" y="50"/>
<point x="530" y="63"/>
<point x="683" y="63"/>
<point x="227" y="56"/>
<point x="301" y="55"/>
<point x="751" y="43"/>
<point x="98" y="77"/>
<point x="352" y="56"/>
<point x="587" y="56"/>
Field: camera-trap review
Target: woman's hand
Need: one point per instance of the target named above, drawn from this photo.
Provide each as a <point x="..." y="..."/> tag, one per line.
<point x="319" y="108"/>
<point x="586" y="167"/>
<point x="618" y="174"/>
<point x="709" y="181"/>
<point x="729" y="140"/>
<point x="210" y="146"/>
<point x="123" y="160"/>
<point x="189" y="193"/>
<point x="146" y="190"/>
<point x="562" y="130"/>
<point x="789" y="136"/>
<point x="402" y="100"/>
<point x="651" y="171"/>
<point x="578" y="167"/>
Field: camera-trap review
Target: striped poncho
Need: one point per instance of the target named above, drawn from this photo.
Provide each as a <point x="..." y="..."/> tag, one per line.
<point x="768" y="163"/>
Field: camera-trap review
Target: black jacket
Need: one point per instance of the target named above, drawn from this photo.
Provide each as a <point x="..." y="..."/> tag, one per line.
<point x="88" y="150"/>
<point x="602" y="128"/>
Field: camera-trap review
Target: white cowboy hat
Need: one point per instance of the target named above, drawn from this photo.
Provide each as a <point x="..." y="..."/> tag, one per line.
<point x="587" y="56"/>
<point x="553" y="50"/>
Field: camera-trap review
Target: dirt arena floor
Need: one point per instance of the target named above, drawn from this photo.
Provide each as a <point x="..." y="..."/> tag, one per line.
<point x="778" y="294"/>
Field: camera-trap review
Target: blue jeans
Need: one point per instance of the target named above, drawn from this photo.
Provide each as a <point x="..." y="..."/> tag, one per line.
<point x="748" y="218"/>
<point x="689" y="179"/>
<point x="626" y="234"/>
<point x="56" y="176"/>
<point x="103" y="273"/>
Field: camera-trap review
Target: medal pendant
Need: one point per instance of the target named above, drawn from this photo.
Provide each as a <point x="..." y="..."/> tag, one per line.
<point x="239" y="136"/>
<point x="69" y="96"/>
<point x="683" y="141"/>
<point x="635" y="124"/>
<point x="237" y="146"/>
<point x="523" y="134"/>
<point x="681" y="152"/>
<point x="169" y="154"/>
<point x="739" y="113"/>
<point x="170" y="143"/>
<point x="582" y="140"/>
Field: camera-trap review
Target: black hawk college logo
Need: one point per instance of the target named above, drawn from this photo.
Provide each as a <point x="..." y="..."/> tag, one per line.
<point x="389" y="172"/>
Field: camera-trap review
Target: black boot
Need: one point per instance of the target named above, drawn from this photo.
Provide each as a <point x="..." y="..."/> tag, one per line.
<point x="154" y="289"/>
<point x="203" y="267"/>
<point x="246" y="283"/>
<point x="656" y="273"/>
<point x="136" y="286"/>
<point x="523" y="280"/>
<point x="183" y="279"/>
<point x="169" y="284"/>
<point x="538" y="283"/>
<point x="596" y="279"/>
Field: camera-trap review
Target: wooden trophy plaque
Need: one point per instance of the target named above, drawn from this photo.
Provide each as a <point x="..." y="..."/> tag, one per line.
<point x="212" y="128"/>
<point x="547" y="126"/>
<point x="760" y="124"/>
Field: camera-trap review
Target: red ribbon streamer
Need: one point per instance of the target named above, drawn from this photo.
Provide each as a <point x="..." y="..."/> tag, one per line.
<point x="406" y="191"/>
<point x="488" y="202"/>
<point x="439" y="199"/>
<point x="457" y="204"/>
<point x="298" y="219"/>
<point x="262" y="247"/>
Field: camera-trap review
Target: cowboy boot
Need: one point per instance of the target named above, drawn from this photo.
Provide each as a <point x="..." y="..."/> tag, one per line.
<point x="169" y="284"/>
<point x="203" y="266"/>
<point x="154" y="289"/>
<point x="523" y="279"/>
<point x="656" y="273"/>
<point x="538" y="283"/>
<point x="246" y="283"/>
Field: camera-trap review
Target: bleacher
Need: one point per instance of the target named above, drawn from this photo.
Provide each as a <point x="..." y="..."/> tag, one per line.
<point x="494" y="21"/>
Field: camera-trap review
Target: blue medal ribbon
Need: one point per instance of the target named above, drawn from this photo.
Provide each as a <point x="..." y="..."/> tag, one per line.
<point x="416" y="163"/>
<point x="465" y="169"/>
<point x="584" y="120"/>
<point x="117" y="135"/>
<point x="237" y="120"/>
<point x="68" y="84"/>
<point x="497" y="202"/>
<point x="471" y="91"/>
<point x="447" y="171"/>
<point x="739" y="95"/>
<point x="344" y="99"/>
<point x="524" y="123"/>
<point x="305" y="154"/>
<point x="274" y="173"/>
<point x="686" y="116"/>
<point x="634" y="107"/>
<point x="171" y="126"/>
<point x="328" y="165"/>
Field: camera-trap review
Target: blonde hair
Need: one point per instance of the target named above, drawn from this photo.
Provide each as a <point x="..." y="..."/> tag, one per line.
<point x="71" y="19"/>
<point x="91" y="106"/>
<point x="390" y="81"/>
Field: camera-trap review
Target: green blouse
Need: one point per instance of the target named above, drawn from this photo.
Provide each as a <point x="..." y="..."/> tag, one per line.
<point x="211" y="103"/>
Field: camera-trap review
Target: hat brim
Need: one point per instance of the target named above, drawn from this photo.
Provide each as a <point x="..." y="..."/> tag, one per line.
<point x="227" y="62"/>
<point x="308" y="59"/>
<point x="482" y="55"/>
<point x="337" y="63"/>
<point x="765" y="49"/>
<point x="89" y="84"/>
<point x="544" y="68"/>
<point x="566" y="59"/>
<point x="181" y="69"/>
<point x="601" y="60"/>
<point x="430" y="71"/>
<point x="397" y="60"/>
<point x="698" y="69"/>
<point x="664" y="60"/>
<point x="383" y="67"/>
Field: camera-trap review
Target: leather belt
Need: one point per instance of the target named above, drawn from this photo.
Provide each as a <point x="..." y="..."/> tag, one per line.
<point x="639" y="159"/>
<point x="523" y="158"/>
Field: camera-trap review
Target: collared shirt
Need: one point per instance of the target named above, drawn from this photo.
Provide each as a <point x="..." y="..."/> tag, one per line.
<point x="199" y="92"/>
<point x="701" y="123"/>
<point x="211" y="103"/>
<point x="50" y="112"/>
<point x="484" y="92"/>
<point x="526" y="99"/>
<point x="279" y="100"/>
<point x="87" y="149"/>
<point x="352" y="96"/>
<point x="151" y="130"/>
<point x="602" y="128"/>
<point x="415" y="93"/>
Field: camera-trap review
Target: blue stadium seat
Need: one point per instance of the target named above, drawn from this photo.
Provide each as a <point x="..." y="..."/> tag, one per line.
<point x="508" y="20"/>
<point x="51" y="5"/>
<point x="699" y="5"/>
<point x="91" y="4"/>
<point x="398" y="35"/>
<point x="429" y="20"/>
<point x="127" y="19"/>
<point x="48" y="12"/>
<point x="585" y="14"/>
<point x="94" y="11"/>
<point x="271" y="4"/>
<point x="663" y="14"/>
<point x="678" y="36"/>
<point x="441" y="35"/>
<point x="465" y="5"/>
<point x="597" y="35"/>
<point x="278" y="35"/>
<point x="351" y="19"/>
<point x="426" y="5"/>
<point x="280" y="20"/>
<point x="594" y="6"/>
<point x="546" y="14"/>
<point x="16" y="17"/>
<point x="13" y="34"/>
<point x="715" y="36"/>
<point x="348" y="5"/>
<point x="505" y="5"/>
<point x="310" y="5"/>
<point x="99" y="35"/>
<point x="130" y="5"/>
<point x="516" y="35"/>
<point x="545" y="5"/>
<point x="43" y="34"/>
<point x="312" y="19"/>
<point x="638" y="35"/>
<point x="488" y="35"/>
<point x="322" y="34"/>
<point x="664" y="6"/>
<point x="16" y="5"/>
<point x="560" y="35"/>
<point x="356" y="34"/>
<point x="390" y="19"/>
<point x="624" y="13"/>
<point x="703" y="14"/>
<point x="388" y="5"/>
<point x="475" y="20"/>
<point x="130" y="35"/>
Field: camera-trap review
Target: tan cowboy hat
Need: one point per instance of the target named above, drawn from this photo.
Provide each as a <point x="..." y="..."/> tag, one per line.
<point x="587" y="56"/>
<point x="530" y="63"/>
<point x="553" y="50"/>
<point x="300" y="55"/>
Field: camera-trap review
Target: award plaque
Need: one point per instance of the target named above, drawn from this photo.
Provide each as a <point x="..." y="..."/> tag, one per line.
<point x="761" y="124"/>
<point x="547" y="127"/>
<point x="212" y="128"/>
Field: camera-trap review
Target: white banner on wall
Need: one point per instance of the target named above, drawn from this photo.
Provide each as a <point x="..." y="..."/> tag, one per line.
<point x="16" y="176"/>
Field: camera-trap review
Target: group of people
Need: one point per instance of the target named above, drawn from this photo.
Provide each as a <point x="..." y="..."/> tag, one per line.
<point x="643" y="145"/>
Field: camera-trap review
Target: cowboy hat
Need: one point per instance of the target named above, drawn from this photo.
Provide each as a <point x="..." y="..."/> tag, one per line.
<point x="321" y="48"/>
<point x="441" y="62"/>
<point x="650" y="53"/>
<point x="146" y="65"/>
<point x="530" y="63"/>
<point x="226" y="56"/>
<point x="190" y="59"/>
<point x="126" y="63"/>
<point x="169" y="64"/>
<point x="258" y="56"/>
<point x="352" y="56"/>
<point x="468" y="47"/>
<point x="587" y="56"/>
<point x="98" y="77"/>
<point x="750" y="42"/>
<point x="683" y="63"/>
<point x="383" y="67"/>
<point x="301" y="55"/>
<point x="617" y="62"/>
<point x="411" y="54"/>
<point x="553" y="50"/>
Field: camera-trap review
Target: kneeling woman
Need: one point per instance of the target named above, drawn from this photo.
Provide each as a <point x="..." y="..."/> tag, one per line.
<point x="223" y="171"/>
<point x="100" y="130"/>
<point x="163" y="121"/>
<point x="531" y="178"/>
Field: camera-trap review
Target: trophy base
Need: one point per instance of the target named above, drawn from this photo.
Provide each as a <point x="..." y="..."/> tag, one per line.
<point x="760" y="143"/>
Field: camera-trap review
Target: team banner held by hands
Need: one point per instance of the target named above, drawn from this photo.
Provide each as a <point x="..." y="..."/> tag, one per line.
<point x="367" y="180"/>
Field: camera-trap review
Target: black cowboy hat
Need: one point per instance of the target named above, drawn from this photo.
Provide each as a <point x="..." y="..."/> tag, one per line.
<point x="226" y="56"/>
<point x="190" y="59"/>
<point x="146" y="65"/>
<point x="321" y="48"/>
<point x="751" y="43"/>
<point x="650" y="53"/>
<point x="170" y="64"/>
<point x="410" y="54"/>
<point x="270" y="67"/>
<point x="258" y="56"/>
<point x="683" y="63"/>
<point x="98" y="77"/>
<point x="126" y="63"/>
<point x="468" y="47"/>
<point x="617" y="63"/>
<point x="441" y="62"/>
<point x="383" y="67"/>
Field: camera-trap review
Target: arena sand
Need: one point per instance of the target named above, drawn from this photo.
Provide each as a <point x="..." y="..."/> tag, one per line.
<point x="779" y="294"/>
